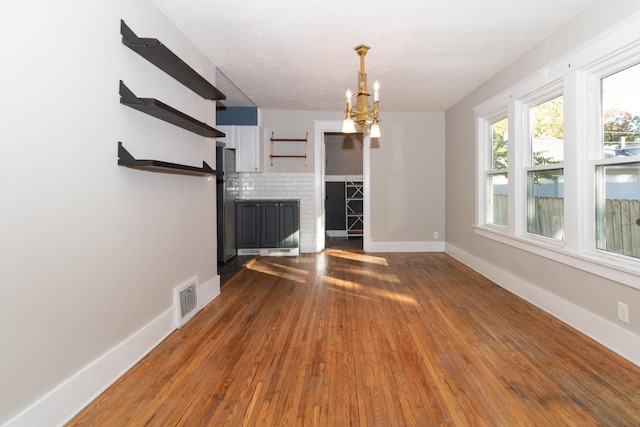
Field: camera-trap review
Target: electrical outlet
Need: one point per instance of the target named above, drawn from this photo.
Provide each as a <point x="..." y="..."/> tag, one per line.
<point x="435" y="235"/>
<point x="623" y="312"/>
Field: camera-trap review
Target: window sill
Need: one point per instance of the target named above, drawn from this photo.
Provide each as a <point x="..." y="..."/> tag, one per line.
<point x="603" y="264"/>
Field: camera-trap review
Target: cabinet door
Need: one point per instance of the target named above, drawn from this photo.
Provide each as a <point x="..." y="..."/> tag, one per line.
<point x="269" y="225"/>
<point x="289" y="224"/>
<point x="248" y="153"/>
<point x="247" y="225"/>
<point x="229" y="138"/>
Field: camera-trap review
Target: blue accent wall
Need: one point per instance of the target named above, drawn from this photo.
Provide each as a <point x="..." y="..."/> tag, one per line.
<point x="244" y="116"/>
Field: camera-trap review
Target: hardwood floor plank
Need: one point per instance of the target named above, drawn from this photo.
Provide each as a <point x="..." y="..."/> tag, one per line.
<point x="346" y="338"/>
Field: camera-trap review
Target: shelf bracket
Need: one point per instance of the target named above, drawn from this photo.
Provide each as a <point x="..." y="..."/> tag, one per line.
<point x="272" y="155"/>
<point x="127" y="96"/>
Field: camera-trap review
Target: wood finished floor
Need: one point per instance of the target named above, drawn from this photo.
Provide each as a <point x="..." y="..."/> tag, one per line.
<point x="346" y="339"/>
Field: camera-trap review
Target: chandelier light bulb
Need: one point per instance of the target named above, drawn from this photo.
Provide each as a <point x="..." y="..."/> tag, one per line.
<point x="348" y="126"/>
<point x="375" y="131"/>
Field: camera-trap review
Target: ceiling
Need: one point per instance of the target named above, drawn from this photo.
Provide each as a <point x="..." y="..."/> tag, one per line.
<point x="426" y="54"/>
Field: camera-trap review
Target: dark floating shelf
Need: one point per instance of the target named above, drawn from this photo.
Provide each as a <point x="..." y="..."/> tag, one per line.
<point x="162" y="111"/>
<point x="126" y="159"/>
<point x="159" y="55"/>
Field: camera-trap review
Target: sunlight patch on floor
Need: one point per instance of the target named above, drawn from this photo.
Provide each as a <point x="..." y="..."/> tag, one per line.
<point x="395" y="296"/>
<point x="344" y="284"/>
<point x="357" y="257"/>
<point x="289" y="273"/>
<point x="364" y="271"/>
<point x="358" y="290"/>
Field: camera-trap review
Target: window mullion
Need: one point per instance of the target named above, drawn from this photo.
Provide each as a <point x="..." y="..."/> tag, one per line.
<point x="574" y="194"/>
<point x="579" y="205"/>
<point x="518" y="131"/>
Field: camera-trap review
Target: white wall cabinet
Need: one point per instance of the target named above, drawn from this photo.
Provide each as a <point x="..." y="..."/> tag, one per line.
<point x="228" y="139"/>
<point x="247" y="141"/>
<point x="248" y="148"/>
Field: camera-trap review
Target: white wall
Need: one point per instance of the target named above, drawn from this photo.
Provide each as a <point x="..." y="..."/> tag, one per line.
<point x="91" y="251"/>
<point x="291" y="124"/>
<point x="584" y="300"/>
<point x="344" y="154"/>
<point x="407" y="183"/>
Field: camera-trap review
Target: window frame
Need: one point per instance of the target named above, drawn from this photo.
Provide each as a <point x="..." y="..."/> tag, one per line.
<point x="485" y="164"/>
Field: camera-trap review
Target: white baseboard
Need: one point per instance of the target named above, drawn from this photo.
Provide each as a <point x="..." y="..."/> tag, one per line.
<point x="67" y="399"/>
<point x="208" y="290"/>
<point x="607" y="333"/>
<point x="371" y="246"/>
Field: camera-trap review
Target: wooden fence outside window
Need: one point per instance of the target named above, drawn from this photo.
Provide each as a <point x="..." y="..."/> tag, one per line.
<point x="622" y="222"/>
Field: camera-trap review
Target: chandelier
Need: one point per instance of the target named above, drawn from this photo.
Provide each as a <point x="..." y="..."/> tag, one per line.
<point x="362" y="112"/>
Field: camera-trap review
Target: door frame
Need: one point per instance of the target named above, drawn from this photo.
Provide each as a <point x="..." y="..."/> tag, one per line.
<point x="320" y="127"/>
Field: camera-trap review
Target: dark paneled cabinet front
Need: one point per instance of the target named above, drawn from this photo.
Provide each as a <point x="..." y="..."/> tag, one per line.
<point x="248" y="224"/>
<point x="289" y="213"/>
<point x="268" y="224"/>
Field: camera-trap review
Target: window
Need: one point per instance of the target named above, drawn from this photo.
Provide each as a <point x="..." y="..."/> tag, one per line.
<point x="618" y="209"/>
<point x="620" y="111"/>
<point x="499" y="144"/>
<point x="547" y="132"/>
<point x="617" y="179"/>
<point x="545" y="203"/>
<point x="497" y="179"/>
<point x="545" y="180"/>
<point x="497" y="207"/>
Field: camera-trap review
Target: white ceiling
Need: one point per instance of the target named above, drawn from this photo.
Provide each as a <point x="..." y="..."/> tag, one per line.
<point x="426" y="54"/>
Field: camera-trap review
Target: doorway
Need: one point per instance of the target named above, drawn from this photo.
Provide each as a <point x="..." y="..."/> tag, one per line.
<point x="329" y="129"/>
<point x="344" y="195"/>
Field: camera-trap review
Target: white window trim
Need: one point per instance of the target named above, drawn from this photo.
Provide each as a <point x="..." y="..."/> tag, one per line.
<point x="576" y="77"/>
<point x="484" y="162"/>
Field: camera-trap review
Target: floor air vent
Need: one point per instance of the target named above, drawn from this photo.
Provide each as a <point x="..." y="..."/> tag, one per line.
<point x="186" y="301"/>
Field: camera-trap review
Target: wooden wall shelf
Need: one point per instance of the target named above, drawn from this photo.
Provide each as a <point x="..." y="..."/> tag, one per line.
<point x="162" y="111"/>
<point x="127" y="160"/>
<point x="159" y="55"/>
<point x="272" y="155"/>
